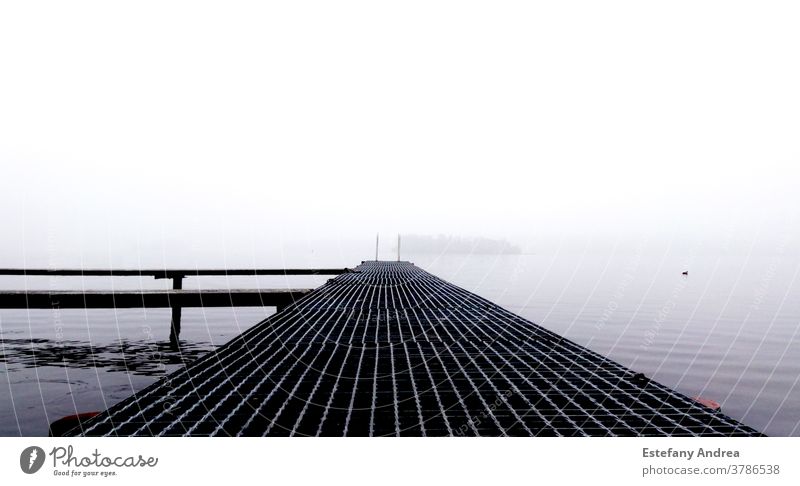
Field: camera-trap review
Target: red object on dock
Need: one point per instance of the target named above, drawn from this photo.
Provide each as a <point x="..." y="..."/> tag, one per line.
<point x="715" y="406"/>
<point x="65" y="424"/>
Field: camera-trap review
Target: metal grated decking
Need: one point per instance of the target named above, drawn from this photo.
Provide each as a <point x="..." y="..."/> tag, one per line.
<point x="393" y="350"/>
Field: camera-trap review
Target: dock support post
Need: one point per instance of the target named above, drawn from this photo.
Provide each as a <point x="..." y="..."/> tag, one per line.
<point x="175" y="323"/>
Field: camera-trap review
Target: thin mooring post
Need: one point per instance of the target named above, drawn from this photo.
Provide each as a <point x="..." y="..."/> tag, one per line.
<point x="175" y="323"/>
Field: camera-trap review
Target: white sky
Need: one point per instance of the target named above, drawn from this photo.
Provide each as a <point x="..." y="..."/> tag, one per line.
<point x="181" y="128"/>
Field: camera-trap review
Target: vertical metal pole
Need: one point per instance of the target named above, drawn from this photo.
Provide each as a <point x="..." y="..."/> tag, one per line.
<point x="398" y="247"/>
<point x="175" y="324"/>
<point x="377" y="239"/>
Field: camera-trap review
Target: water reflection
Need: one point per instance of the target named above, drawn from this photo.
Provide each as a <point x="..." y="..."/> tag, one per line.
<point x="125" y="355"/>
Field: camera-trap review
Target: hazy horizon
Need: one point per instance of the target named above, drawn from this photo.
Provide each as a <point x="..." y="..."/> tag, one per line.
<point x="130" y="139"/>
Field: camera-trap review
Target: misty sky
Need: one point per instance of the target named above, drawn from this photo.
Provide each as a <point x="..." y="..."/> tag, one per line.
<point x="188" y="133"/>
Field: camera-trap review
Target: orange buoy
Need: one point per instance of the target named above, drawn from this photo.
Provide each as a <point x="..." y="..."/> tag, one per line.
<point x="65" y="424"/>
<point x="715" y="406"/>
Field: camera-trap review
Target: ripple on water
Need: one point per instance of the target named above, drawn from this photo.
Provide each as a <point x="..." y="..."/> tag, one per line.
<point x="124" y="355"/>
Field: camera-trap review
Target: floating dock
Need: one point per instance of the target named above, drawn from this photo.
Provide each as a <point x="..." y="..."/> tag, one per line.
<point x="177" y="298"/>
<point x="391" y="350"/>
<point x="127" y="299"/>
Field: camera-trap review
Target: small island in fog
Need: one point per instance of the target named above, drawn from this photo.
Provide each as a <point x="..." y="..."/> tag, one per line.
<point x="425" y="244"/>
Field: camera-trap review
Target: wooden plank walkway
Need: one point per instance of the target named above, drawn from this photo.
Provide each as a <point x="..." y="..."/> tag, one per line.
<point x="393" y="350"/>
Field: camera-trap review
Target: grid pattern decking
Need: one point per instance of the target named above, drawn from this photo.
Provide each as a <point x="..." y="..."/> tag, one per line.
<point x="393" y="350"/>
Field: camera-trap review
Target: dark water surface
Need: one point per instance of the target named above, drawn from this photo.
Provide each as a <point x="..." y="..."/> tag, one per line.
<point x="728" y="331"/>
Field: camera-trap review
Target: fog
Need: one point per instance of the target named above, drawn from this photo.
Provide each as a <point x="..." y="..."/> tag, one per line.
<point x="180" y="133"/>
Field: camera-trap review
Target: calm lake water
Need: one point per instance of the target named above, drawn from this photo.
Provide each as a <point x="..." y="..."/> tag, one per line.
<point x="728" y="331"/>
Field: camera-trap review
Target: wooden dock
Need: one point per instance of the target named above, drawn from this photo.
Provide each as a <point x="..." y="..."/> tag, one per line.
<point x="127" y="299"/>
<point x="391" y="350"/>
<point x="176" y="299"/>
